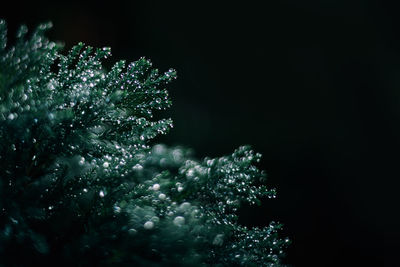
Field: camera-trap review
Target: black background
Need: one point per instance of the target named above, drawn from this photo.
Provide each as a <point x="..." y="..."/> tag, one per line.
<point x="312" y="85"/>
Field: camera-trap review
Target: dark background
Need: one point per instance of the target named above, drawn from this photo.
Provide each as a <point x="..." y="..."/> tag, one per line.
<point x="312" y="85"/>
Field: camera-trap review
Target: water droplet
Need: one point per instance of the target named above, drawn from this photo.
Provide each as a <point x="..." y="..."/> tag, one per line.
<point x="138" y="167"/>
<point x="184" y="206"/>
<point x="190" y="173"/>
<point x="155" y="219"/>
<point x="106" y="164"/>
<point x="85" y="190"/>
<point x="156" y="187"/>
<point x="11" y="116"/>
<point x="82" y="161"/>
<point x="148" y="225"/>
<point x="179" y="221"/>
<point x="132" y="231"/>
<point x="51" y="207"/>
<point x="162" y="196"/>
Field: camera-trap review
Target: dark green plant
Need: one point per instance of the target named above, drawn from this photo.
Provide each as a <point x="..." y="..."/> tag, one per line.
<point x="80" y="185"/>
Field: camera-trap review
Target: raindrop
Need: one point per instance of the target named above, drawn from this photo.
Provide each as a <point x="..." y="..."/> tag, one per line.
<point x="156" y="187"/>
<point x="132" y="231"/>
<point x="179" y="221"/>
<point x="184" y="206"/>
<point x="148" y="225"/>
<point x="138" y="167"/>
<point x="106" y="164"/>
<point x="155" y="219"/>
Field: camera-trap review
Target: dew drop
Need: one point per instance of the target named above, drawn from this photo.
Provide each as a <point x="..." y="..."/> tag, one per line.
<point x="148" y="225"/>
<point x="156" y="187"/>
<point x="155" y="219"/>
<point x="138" y="167"/>
<point x="179" y="221"/>
<point x="185" y="206"/>
<point x="132" y="231"/>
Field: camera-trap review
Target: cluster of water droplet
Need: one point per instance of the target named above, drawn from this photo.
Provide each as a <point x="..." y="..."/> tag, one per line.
<point x="75" y="159"/>
<point x="197" y="202"/>
<point x="69" y="129"/>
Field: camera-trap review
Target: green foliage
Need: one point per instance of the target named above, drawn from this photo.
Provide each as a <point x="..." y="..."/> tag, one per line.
<point x="80" y="184"/>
